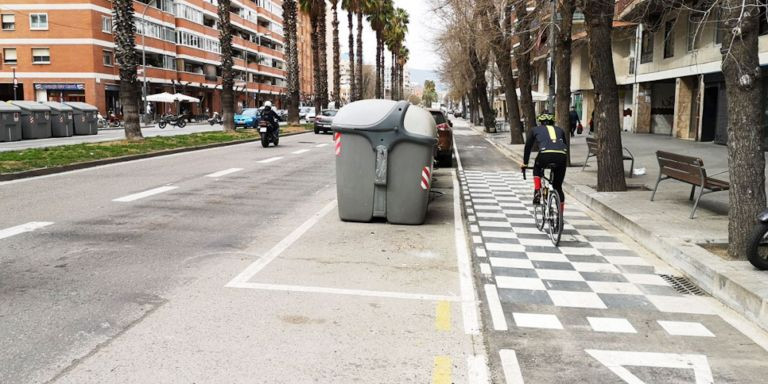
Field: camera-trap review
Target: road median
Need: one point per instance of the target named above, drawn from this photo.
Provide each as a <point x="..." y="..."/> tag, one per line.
<point x="43" y="161"/>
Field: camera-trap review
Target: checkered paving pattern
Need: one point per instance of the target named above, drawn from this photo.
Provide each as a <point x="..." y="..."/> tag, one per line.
<point x="589" y="269"/>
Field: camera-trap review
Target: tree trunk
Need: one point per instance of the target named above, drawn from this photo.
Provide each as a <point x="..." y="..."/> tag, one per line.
<point x="323" y="45"/>
<point x="128" y="58"/>
<point x="378" y="65"/>
<point x="524" y="70"/>
<point x="359" y="57"/>
<point x="227" y="73"/>
<point x="352" y="72"/>
<point x="336" y="57"/>
<point x="392" y="82"/>
<point x="290" y="15"/>
<point x="563" y="69"/>
<point x="317" y="102"/>
<point x="610" y="166"/>
<point x="746" y="161"/>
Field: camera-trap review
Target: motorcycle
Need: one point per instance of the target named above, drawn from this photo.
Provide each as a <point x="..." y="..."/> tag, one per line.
<point x="269" y="133"/>
<point x="178" y="121"/>
<point x="757" y="247"/>
<point x="216" y="119"/>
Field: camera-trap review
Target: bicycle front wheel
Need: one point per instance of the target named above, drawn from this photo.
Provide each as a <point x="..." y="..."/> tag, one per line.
<point x="538" y="214"/>
<point x="555" y="218"/>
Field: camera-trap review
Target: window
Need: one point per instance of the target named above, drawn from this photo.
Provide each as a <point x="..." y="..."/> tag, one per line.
<point x="156" y="31"/>
<point x="41" y="56"/>
<point x="106" y="24"/>
<point x="38" y="21"/>
<point x="694" y="28"/>
<point x="108" y="58"/>
<point x="669" y="39"/>
<point x="9" y="55"/>
<point x="9" y="22"/>
<point x="718" y="26"/>
<point x="646" y="47"/>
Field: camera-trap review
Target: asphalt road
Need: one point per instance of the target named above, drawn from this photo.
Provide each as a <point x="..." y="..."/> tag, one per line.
<point x="224" y="266"/>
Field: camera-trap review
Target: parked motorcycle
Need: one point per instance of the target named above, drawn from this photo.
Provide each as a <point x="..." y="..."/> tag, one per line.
<point x="216" y="119"/>
<point x="178" y="121"/>
<point x="757" y="248"/>
<point x="269" y="133"/>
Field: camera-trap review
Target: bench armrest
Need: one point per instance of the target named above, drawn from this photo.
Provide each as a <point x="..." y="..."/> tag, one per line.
<point x="630" y="153"/>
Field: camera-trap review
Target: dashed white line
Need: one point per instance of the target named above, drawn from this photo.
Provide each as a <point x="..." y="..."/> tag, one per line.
<point x="344" y="291"/>
<point x="141" y="195"/>
<point x="270" y="160"/>
<point x="321" y="145"/>
<point x="494" y="306"/>
<point x="19" y="229"/>
<point x="224" y="172"/>
<point x="511" y="367"/>
<point x="477" y="367"/>
<point x="300" y="151"/>
<point x="468" y="306"/>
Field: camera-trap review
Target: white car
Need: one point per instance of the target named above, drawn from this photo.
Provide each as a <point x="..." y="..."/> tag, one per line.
<point x="307" y="113"/>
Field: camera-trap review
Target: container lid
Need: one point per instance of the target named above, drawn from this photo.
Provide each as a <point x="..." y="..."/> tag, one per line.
<point x="369" y="115"/>
<point x="81" y="106"/>
<point x="32" y="106"/>
<point x="419" y="121"/>
<point x="5" y="107"/>
<point x="56" y="106"/>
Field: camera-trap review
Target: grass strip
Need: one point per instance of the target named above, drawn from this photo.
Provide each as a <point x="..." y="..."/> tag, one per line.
<point x="48" y="157"/>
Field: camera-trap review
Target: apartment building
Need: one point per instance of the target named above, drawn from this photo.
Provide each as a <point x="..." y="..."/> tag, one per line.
<point x="62" y="50"/>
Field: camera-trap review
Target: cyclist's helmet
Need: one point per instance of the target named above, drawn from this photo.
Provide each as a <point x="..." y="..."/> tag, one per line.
<point x="546" y="118"/>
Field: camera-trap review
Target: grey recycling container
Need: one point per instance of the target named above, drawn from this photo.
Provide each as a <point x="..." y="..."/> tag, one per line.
<point x="85" y="118"/>
<point x="61" y="119"/>
<point x="384" y="154"/>
<point x="35" y="119"/>
<point x="10" y="122"/>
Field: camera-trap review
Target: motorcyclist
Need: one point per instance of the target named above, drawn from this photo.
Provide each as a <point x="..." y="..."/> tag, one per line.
<point x="269" y="115"/>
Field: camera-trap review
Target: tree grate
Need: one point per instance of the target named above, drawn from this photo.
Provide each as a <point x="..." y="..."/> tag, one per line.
<point x="683" y="285"/>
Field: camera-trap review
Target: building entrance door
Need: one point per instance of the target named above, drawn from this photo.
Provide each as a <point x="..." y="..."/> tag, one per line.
<point x="709" y="114"/>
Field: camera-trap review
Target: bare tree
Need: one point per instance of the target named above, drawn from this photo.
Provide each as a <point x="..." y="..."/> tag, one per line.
<point x="227" y="73"/>
<point x="610" y="167"/>
<point x="128" y="58"/>
<point x="562" y="59"/>
<point x="523" y="59"/>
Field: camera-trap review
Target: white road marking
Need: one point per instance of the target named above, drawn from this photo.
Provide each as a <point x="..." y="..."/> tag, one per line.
<point x="224" y="172"/>
<point x="19" y="229"/>
<point x="273" y="253"/>
<point x="576" y="299"/>
<point x="615" y="360"/>
<point x="529" y="283"/>
<point x="141" y="195"/>
<point x="505" y="262"/>
<point x="270" y="160"/>
<point x="321" y="145"/>
<point x="477" y="367"/>
<point x="537" y="320"/>
<point x="611" y="324"/>
<point x="300" y="151"/>
<point x="343" y="291"/>
<point x="685" y="328"/>
<point x="494" y="306"/>
<point x="510" y="366"/>
<point x="468" y="304"/>
<point x="485" y="269"/>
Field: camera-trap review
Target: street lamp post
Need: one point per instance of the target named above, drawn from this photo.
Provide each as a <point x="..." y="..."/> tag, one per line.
<point x="144" y="57"/>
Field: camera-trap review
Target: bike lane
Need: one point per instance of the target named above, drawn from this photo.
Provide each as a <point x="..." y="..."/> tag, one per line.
<point x="596" y="309"/>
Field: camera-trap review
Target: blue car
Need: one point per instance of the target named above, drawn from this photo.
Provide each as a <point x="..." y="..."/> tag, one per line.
<point x="248" y="118"/>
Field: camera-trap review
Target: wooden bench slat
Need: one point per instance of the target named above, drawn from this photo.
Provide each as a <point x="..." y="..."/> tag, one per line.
<point x="689" y="170"/>
<point x="679" y="158"/>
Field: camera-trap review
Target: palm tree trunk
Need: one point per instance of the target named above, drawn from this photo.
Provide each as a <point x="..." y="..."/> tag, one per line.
<point x="378" y="65"/>
<point x="359" y="57"/>
<point x="316" y="59"/>
<point x="352" y="73"/>
<point x="323" y="44"/>
<point x="227" y="74"/>
<point x="336" y="56"/>
<point x="128" y="58"/>
<point x="290" y="14"/>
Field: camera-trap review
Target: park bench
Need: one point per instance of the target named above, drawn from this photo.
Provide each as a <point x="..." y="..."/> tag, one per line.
<point x="592" y="152"/>
<point x="687" y="169"/>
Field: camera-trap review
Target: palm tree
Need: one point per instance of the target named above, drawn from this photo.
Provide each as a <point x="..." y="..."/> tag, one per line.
<point x="128" y="58"/>
<point x="397" y="28"/>
<point x="316" y="11"/>
<point x="402" y="58"/>
<point x="351" y="6"/>
<point x="227" y="74"/>
<point x="336" y="54"/>
<point x="290" y="16"/>
<point x="379" y="12"/>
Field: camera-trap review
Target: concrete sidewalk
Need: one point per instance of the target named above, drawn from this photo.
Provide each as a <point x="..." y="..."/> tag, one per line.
<point x="663" y="226"/>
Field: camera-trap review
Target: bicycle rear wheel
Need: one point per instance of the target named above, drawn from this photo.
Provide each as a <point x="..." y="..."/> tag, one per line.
<point x="539" y="211"/>
<point x="554" y="218"/>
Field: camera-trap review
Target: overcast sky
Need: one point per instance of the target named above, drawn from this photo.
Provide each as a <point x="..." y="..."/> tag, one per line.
<point x="420" y="33"/>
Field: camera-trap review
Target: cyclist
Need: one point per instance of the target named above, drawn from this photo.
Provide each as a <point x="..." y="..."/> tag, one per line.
<point x="552" y="150"/>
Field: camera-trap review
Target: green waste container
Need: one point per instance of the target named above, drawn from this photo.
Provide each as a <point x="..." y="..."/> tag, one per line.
<point x="85" y="118"/>
<point x="35" y="120"/>
<point x="10" y="122"/>
<point x="384" y="154"/>
<point x="61" y="119"/>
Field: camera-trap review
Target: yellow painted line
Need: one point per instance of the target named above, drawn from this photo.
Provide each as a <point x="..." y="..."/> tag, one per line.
<point x="441" y="373"/>
<point x="443" y="316"/>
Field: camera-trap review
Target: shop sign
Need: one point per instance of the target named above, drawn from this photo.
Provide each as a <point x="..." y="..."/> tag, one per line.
<point x="60" y="86"/>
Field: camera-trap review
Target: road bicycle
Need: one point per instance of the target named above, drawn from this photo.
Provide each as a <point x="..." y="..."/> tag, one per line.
<point x="547" y="212"/>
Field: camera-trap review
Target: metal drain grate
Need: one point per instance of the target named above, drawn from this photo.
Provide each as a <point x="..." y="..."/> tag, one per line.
<point x="683" y="285"/>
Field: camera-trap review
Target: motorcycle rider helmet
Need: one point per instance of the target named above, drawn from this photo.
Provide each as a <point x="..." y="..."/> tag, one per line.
<point x="268" y="104"/>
